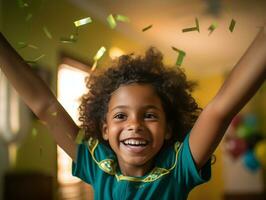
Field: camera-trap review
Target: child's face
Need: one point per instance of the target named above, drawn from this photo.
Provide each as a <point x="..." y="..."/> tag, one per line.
<point x="135" y="125"/>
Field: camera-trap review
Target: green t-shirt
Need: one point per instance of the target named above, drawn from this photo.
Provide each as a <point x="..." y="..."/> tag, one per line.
<point x="173" y="176"/>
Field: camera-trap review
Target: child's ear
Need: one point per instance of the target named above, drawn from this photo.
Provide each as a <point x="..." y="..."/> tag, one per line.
<point x="105" y="131"/>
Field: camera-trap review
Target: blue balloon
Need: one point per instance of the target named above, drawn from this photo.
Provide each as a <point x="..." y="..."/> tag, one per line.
<point x="251" y="161"/>
<point x="250" y="120"/>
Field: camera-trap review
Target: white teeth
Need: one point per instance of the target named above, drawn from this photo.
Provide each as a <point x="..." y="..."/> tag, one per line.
<point x="135" y="142"/>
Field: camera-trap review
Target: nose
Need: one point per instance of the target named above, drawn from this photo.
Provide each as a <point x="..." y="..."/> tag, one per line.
<point x="135" y="125"/>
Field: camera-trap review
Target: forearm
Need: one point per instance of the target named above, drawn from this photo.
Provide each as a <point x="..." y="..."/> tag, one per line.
<point x="245" y="79"/>
<point x="31" y="88"/>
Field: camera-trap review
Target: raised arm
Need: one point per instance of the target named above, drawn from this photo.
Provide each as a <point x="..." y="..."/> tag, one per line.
<point x="37" y="95"/>
<point x="243" y="82"/>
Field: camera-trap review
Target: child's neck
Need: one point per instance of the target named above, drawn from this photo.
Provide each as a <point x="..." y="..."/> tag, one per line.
<point x="135" y="170"/>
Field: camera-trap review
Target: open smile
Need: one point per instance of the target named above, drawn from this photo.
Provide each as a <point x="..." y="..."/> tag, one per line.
<point x="135" y="145"/>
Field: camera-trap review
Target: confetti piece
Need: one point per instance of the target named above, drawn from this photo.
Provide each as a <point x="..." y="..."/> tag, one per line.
<point x="146" y="28"/>
<point x="54" y="114"/>
<point x="83" y="21"/>
<point x="32" y="46"/>
<point x="80" y="136"/>
<point x="111" y="21"/>
<point x="212" y="27"/>
<point x="99" y="53"/>
<point x="22" y="45"/>
<point x="47" y="33"/>
<point x="122" y="18"/>
<point x="68" y="40"/>
<point x="28" y="17"/>
<point x="232" y="25"/>
<point x="22" y="4"/>
<point x="38" y="58"/>
<point x="192" y="28"/>
<point x="34" y="132"/>
<point x="180" y="57"/>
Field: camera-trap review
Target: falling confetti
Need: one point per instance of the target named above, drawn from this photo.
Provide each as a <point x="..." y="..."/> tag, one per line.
<point x="33" y="62"/>
<point x="34" y="132"/>
<point x="28" y="17"/>
<point x="54" y="114"/>
<point x="232" y="25"/>
<point x="192" y="28"/>
<point x="47" y="33"/>
<point x="122" y="18"/>
<point x="24" y="45"/>
<point x="80" y="136"/>
<point x="111" y="21"/>
<point x="22" y="4"/>
<point x="83" y="21"/>
<point x="97" y="56"/>
<point x="180" y="57"/>
<point x="147" y="28"/>
<point x="212" y="27"/>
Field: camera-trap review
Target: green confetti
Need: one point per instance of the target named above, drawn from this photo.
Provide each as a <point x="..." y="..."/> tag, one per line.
<point x="122" y="18"/>
<point x="70" y="40"/>
<point x="47" y="33"/>
<point x="22" y="4"/>
<point x="99" y="53"/>
<point x="147" y="28"/>
<point x="34" y="132"/>
<point x="180" y="57"/>
<point x="192" y="28"/>
<point x="38" y="58"/>
<point x="28" y="17"/>
<point x="80" y="136"/>
<point x="111" y="21"/>
<point x="83" y="21"/>
<point x="212" y="27"/>
<point x="24" y="45"/>
<point x="232" y="25"/>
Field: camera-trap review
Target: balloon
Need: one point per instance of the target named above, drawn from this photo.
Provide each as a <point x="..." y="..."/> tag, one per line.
<point x="260" y="152"/>
<point x="236" y="147"/>
<point x="251" y="161"/>
<point x="250" y="120"/>
<point x="236" y="121"/>
<point x="244" y="131"/>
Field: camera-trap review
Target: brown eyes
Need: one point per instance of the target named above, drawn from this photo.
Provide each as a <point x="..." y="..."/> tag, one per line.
<point x="146" y="116"/>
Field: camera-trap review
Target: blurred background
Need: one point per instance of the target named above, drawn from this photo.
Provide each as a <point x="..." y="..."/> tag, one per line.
<point x="44" y="34"/>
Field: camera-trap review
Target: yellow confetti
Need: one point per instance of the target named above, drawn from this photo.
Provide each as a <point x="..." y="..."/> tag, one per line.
<point x="99" y="53"/>
<point x="54" y="114"/>
<point x="38" y="58"/>
<point x="47" y="33"/>
<point x="28" y="17"/>
<point x="111" y="21"/>
<point x="83" y="21"/>
<point x="122" y="18"/>
<point x="34" y="132"/>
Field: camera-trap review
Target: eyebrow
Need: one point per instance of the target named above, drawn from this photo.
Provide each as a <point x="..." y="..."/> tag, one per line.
<point x="146" y="107"/>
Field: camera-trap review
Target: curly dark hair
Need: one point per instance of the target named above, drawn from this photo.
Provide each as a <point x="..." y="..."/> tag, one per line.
<point x="170" y="83"/>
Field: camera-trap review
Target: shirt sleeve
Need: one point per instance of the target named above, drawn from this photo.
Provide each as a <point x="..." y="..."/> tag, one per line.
<point x="186" y="171"/>
<point x="84" y="166"/>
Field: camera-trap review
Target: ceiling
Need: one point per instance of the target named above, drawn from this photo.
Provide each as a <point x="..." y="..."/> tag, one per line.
<point x="206" y="53"/>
